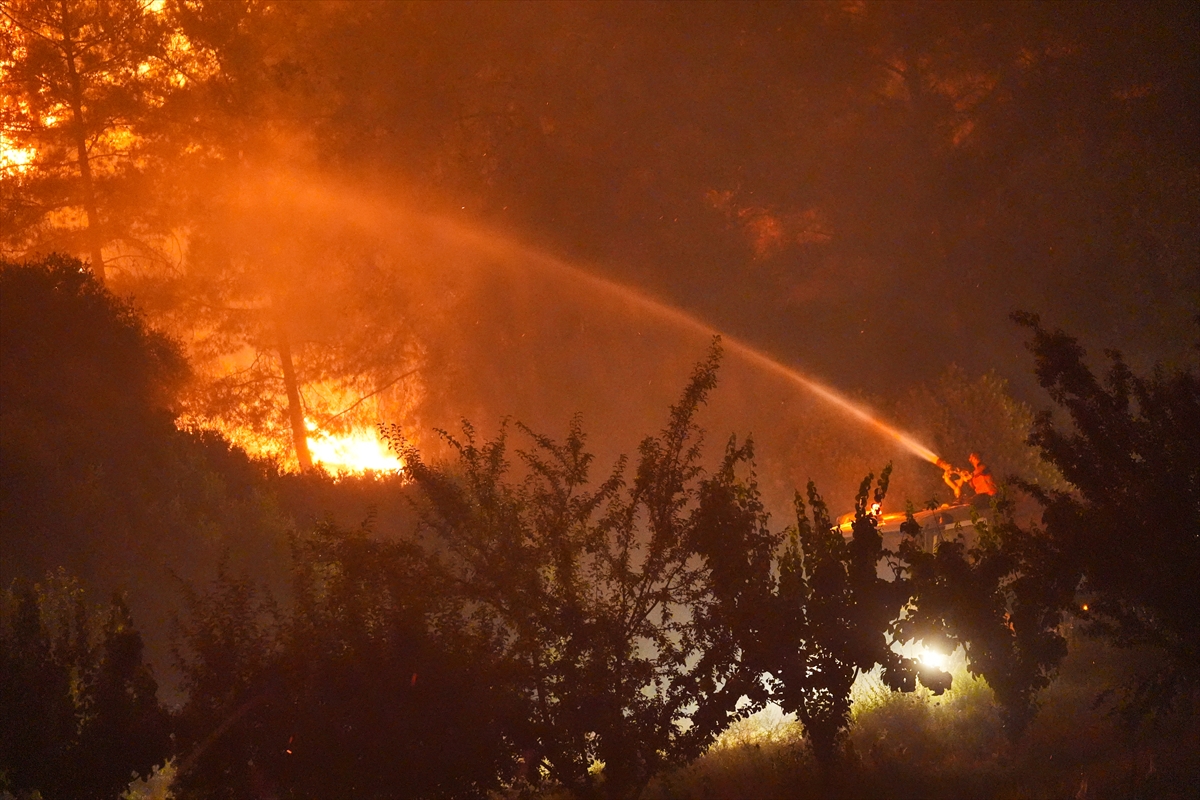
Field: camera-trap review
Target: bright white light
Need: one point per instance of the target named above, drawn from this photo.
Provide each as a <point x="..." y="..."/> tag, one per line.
<point x="932" y="658"/>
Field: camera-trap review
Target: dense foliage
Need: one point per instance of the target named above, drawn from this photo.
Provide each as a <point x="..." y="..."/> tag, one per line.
<point x="1003" y="599"/>
<point x="611" y="606"/>
<point x="84" y="416"/>
<point x="289" y="190"/>
<point x="1131" y="530"/>
<point x="901" y="156"/>
<point x="537" y="629"/>
<point x="831" y="618"/>
<point x="95" y="477"/>
<point x="77" y="700"/>
<point x="366" y="683"/>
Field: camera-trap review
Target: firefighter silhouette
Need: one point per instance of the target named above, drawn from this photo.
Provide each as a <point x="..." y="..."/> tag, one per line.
<point x="978" y="480"/>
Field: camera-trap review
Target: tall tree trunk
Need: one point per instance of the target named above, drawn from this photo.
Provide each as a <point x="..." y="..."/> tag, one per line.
<point x="86" y="189"/>
<point x="295" y="410"/>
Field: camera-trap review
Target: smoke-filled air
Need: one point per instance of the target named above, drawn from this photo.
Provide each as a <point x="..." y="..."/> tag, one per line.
<point x="599" y="400"/>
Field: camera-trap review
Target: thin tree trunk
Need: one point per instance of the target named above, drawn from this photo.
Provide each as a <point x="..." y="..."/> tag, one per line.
<point x="295" y="409"/>
<point x="86" y="188"/>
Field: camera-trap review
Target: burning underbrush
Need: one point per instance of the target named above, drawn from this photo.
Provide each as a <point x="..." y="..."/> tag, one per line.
<point x="341" y="430"/>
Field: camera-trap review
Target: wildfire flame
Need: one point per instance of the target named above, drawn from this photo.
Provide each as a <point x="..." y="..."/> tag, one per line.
<point x="355" y="452"/>
<point x="358" y="451"/>
<point x="13" y="158"/>
<point x="340" y="420"/>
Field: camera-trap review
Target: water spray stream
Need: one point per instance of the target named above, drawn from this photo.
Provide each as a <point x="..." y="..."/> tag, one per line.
<point x="830" y="395"/>
<point x="754" y="356"/>
<point x="377" y="215"/>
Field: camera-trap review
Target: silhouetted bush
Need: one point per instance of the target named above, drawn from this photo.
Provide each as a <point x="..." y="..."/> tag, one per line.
<point x="366" y="686"/>
<point x="1129" y="530"/>
<point x="904" y="745"/>
<point x="519" y="627"/>
<point x="641" y="619"/>
<point x="94" y="475"/>
<point x="77" y="700"/>
<point x="829" y="619"/>
<point x="606" y="606"/>
<point x="1003" y="599"/>
<point x="84" y="411"/>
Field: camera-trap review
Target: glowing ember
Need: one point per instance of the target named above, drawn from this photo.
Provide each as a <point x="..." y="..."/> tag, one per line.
<point x="358" y="451"/>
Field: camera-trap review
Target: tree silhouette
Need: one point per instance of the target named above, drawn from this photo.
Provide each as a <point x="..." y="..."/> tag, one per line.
<point x="367" y="681"/>
<point x="77" y="702"/>
<point x="1130" y="530"/>
<point x="1002" y="599"/>
<point x="828" y="619"/>
<point x="35" y="698"/>
<point x="87" y="394"/>
<point x="610" y="606"/>
<point x="95" y="476"/>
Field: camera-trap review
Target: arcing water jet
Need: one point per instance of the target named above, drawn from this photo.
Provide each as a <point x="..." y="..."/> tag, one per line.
<point x="374" y="215"/>
<point x="762" y="360"/>
<point x="750" y="354"/>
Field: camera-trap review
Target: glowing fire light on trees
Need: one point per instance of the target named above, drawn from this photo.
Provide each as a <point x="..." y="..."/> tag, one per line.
<point x="340" y="419"/>
<point x="14" y="158"/>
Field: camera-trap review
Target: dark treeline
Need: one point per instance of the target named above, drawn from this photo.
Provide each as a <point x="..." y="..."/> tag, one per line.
<point x="539" y="626"/>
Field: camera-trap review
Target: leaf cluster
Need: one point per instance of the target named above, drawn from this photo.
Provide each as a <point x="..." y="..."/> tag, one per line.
<point x="363" y="682"/>
<point x="94" y="474"/>
<point x="1003" y="599"/>
<point x="81" y="90"/>
<point x="832" y="614"/>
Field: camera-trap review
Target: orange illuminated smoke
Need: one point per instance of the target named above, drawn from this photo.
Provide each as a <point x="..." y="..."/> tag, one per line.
<point x="317" y="196"/>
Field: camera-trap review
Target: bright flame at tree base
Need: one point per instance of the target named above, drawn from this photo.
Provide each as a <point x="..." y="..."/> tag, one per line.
<point x="356" y="452"/>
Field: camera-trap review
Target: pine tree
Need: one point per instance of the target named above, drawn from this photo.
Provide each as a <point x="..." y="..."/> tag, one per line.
<point x="84" y="79"/>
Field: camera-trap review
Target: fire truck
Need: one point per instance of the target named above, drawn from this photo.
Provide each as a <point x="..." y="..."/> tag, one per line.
<point x="938" y="525"/>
